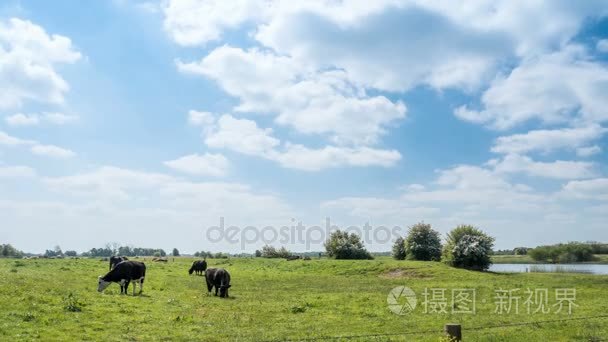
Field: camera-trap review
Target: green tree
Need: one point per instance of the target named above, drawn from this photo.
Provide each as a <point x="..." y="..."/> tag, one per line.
<point x="175" y="252"/>
<point x="423" y="243"/>
<point x="258" y="253"/>
<point x="399" y="249"/>
<point x="468" y="247"/>
<point x="342" y="245"/>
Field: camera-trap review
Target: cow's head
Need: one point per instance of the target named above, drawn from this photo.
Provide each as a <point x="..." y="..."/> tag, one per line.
<point x="102" y="284"/>
<point x="224" y="290"/>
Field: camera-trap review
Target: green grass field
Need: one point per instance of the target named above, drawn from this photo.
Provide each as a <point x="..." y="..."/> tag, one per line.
<point x="278" y="300"/>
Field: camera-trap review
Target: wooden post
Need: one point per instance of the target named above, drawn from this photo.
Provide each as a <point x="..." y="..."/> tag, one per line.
<point x="454" y="331"/>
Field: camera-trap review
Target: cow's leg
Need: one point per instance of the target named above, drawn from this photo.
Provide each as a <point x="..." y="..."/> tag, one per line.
<point x="216" y="288"/>
<point x="135" y="286"/>
<point x="141" y="285"/>
<point x="127" y="282"/>
<point x="122" y="286"/>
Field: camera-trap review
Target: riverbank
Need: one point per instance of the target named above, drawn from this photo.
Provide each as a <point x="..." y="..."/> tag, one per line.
<point x="525" y="259"/>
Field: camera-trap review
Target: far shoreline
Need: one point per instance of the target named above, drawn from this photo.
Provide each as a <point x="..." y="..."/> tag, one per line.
<point x="525" y="259"/>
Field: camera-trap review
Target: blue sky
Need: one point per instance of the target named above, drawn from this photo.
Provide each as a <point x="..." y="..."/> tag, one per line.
<point x="144" y="122"/>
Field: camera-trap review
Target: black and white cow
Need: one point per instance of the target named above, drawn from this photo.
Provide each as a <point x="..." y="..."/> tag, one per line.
<point x="199" y="266"/>
<point x="123" y="273"/>
<point x="220" y="278"/>
<point x="115" y="260"/>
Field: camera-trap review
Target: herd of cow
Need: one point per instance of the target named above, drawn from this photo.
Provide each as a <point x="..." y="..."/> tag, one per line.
<point x="124" y="271"/>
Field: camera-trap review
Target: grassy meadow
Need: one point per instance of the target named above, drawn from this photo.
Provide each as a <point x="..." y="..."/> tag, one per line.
<point x="271" y="299"/>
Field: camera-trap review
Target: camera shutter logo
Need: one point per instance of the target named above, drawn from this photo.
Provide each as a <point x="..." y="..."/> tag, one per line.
<point x="401" y="300"/>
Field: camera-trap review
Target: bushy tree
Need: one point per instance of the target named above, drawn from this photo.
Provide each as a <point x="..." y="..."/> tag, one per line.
<point x="468" y="247"/>
<point x="342" y="245"/>
<point x="423" y="243"/>
<point x="271" y="252"/>
<point x="520" y="250"/>
<point x="175" y="252"/>
<point x="563" y="253"/>
<point x="8" y="251"/>
<point x="399" y="249"/>
<point x="258" y="253"/>
<point x="71" y="253"/>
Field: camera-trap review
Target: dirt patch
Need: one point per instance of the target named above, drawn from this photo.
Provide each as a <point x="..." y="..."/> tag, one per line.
<point x="403" y="273"/>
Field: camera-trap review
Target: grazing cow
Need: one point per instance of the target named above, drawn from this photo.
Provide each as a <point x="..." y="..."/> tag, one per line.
<point x="199" y="266"/>
<point x="124" y="273"/>
<point x="293" y="257"/>
<point x="220" y="278"/>
<point x="115" y="260"/>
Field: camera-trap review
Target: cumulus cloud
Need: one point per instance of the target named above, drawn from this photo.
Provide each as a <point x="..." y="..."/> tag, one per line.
<point x="308" y="159"/>
<point x="36" y="147"/>
<point x="556" y="88"/>
<point x="52" y="151"/>
<point x="558" y="169"/>
<point x="549" y="140"/>
<point x="21" y="119"/>
<point x="602" y="45"/>
<point x="207" y="164"/>
<point x="28" y="57"/>
<point x="588" y="151"/>
<point x="309" y="100"/>
<point x="586" y="189"/>
<point x="244" y="136"/>
<point x="196" y="118"/>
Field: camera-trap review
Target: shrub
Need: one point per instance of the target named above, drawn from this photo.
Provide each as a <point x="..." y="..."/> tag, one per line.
<point x="71" y="303"/>
<point x="563" y="253"/>
<point x="271" y="252"/>
<point x="521" y="250"/>
<point x="342" y="245"/>
<point x="423" y="243"/>
<point x="399" y="249"/>
<point x="468" y="247"/>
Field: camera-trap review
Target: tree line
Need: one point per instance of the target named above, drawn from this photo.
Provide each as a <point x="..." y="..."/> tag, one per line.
<point x="465" y="247"/>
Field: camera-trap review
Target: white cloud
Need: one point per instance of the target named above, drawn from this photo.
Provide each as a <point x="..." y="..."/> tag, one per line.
<point x="307" y="159"/>
<point x="587" y="189"/>
<point x="311" y="101"/>
<point x="36" y="147"/>
<point x="602" y="45"/>
<point x="558" y="169"/>
<point x="8" y="140"/>
<point x="52" y="151"/>
<point x="204" y="165"/>
<point x="196" y="118"/>
<point x="243" y="136"/>
<point x="21" y="119"/>
<point x="193" y="22"/>
<point x="549" y="140"/>
<point x="17" y="172"/>
<point x="390" y="44"/>
<point x="588" y="151"/>
<point x="561" y="87"/>
<point x="28" y="56"/>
